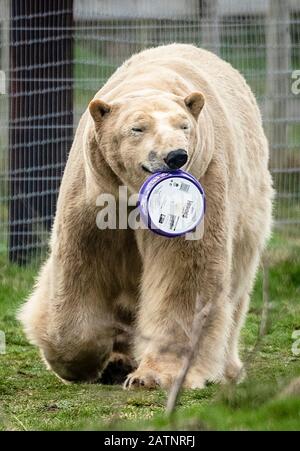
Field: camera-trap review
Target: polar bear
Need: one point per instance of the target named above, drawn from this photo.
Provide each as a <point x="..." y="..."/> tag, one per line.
<point x="131" y="293"/>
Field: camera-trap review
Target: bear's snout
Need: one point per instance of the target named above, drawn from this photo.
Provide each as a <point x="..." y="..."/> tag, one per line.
<point x="173" y="160"/>
<point x="176" y="158"/>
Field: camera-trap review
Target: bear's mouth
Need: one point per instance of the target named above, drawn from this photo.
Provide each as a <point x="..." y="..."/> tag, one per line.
<point x="146" y="169"/>
<point x="154" y="170"/>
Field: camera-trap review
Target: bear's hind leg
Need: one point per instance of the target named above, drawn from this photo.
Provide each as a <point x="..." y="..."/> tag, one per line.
<point x="245" y="268"/>
<point x="121" y="361"/>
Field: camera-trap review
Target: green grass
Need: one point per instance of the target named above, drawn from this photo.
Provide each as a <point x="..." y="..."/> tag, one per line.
<point x="32" y="398"/>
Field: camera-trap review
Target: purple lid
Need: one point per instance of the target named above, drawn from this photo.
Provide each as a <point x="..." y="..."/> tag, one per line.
<point x="171" y="203"/>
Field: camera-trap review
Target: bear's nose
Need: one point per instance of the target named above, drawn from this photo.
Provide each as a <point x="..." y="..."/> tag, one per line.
<point x="176" y="158"/>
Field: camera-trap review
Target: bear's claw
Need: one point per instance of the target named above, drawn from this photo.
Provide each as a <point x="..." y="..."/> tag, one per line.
<point x="146" y="380"/>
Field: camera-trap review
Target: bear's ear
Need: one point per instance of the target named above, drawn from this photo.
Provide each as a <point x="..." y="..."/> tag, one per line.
<point x="99" y="109"/>
<point x="195" y="102"/>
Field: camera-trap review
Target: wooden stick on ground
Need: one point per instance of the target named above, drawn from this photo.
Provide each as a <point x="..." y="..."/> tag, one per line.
<point x="200" y="318"/>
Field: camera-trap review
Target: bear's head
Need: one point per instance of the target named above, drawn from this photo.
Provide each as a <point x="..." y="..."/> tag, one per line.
<point x="139" y="135"/>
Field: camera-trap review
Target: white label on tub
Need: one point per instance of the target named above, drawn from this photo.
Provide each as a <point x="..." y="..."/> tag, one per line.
<point x="175" y="206"/>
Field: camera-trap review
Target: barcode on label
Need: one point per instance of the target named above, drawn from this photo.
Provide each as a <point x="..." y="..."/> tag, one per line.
<point x="184" y="187"/>
<point x="173" y="219"/>
<point x="162" y="219"/>
<point x="186" y="209"/>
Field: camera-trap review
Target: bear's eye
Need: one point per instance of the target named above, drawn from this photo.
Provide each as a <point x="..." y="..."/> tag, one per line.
<point x="137" y="129"/>
<point x="184" y="127"/>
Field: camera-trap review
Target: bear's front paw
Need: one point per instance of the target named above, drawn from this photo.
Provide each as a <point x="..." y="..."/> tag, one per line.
<point x="117" y="369"/>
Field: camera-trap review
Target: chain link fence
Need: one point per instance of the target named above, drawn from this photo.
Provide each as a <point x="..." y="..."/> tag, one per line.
<point x="55" y="55"/>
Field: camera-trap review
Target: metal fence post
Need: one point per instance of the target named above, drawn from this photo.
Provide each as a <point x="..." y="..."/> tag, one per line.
<point x="278" y="48"/>
<point x="41" y="117"/>
<point x="210" y="34"/>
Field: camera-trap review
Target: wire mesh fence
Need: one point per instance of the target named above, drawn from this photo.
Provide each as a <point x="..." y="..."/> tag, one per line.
<point x="55" y="55"/>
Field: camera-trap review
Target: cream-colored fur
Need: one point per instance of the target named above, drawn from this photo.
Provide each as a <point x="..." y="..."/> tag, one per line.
<point x="94" y="280"/>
